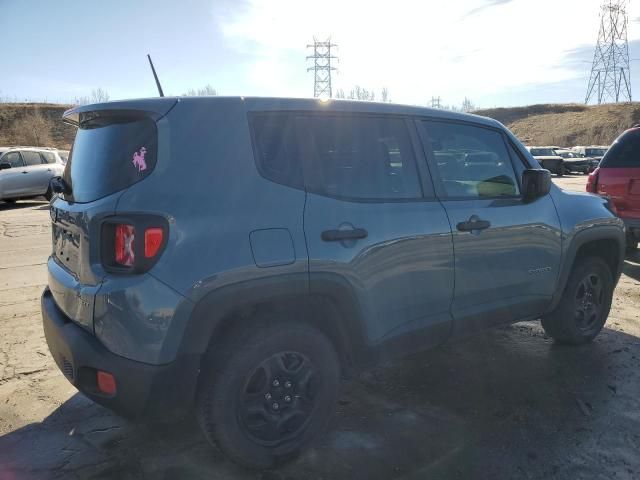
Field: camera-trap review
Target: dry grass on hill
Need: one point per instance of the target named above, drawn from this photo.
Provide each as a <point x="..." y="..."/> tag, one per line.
<point x="567" y="125"/>
<point x="12" y="113"/>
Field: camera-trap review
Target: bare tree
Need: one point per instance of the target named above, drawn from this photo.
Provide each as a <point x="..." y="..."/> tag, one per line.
<point x="206" y="91"/>
<point x="361" y="93"/>
<point x="384" y="95"/>
<point x="33" y="129"/>
<point x="99" y="96"/>
<point x="467" y="105"/>
<point x="340" y="93"/>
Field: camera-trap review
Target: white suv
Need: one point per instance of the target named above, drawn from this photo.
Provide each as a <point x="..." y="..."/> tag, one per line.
<point x="25" y="172"/>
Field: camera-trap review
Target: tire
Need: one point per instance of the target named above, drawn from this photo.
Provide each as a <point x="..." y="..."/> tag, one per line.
<point x="10" y="200"/>
<point x="244" y="400"/>
<point x="585" y="303"/>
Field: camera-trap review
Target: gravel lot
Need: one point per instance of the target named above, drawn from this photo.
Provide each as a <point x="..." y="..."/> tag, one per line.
<point x="507" y="404"/>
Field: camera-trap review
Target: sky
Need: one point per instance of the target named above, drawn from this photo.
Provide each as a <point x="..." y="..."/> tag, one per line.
<point x="495" y="52"/>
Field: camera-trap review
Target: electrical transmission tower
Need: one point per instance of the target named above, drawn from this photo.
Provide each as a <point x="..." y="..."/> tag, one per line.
<point x="322" y="67"/>
<point x="610" y="80"/>
<point x="435" y="102"/>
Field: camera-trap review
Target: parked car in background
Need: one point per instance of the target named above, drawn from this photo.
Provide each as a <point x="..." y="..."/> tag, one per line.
<point x="574" y="162"/>
<point x="341" y="234"/>
<point x="25" y="172"/>
<point x="547" y="158"/>
<point x="595" y="152"/>
<point x="618" y="178"/>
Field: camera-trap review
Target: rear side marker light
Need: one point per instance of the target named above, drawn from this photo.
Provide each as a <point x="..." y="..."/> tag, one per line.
<point x="106" y="383"/>
<point x="152" y="241"/>
<point x="125" y="236"/>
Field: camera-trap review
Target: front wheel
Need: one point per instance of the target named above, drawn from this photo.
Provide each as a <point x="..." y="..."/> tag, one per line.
<point x="268" y="393"/>
<point x="585" y="303"/>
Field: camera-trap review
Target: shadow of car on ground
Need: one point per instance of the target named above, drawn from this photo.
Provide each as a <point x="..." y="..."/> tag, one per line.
<point x="505" y="404"/>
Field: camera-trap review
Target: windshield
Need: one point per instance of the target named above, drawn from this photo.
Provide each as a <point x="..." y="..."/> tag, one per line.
<point x="106" y="158"/>
<point x="595" y="152"/>
<point x="543" y="152"/>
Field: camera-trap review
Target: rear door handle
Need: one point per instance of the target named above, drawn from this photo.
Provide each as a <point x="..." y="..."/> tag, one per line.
<point x="474" y="223"/>
<point x="25" y="172"/>
<point x="340" y="235"/>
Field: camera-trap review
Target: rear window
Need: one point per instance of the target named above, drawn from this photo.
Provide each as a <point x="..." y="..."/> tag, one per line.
<point x="49" y="157"/>
<point x="359" y="157"/>
<point x="625" y="151"/>
<point x="108" y="157"/>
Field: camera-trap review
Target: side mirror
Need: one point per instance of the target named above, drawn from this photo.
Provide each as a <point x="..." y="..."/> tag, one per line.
<point x="4" y="165"/>
<point x="536" y="183"/>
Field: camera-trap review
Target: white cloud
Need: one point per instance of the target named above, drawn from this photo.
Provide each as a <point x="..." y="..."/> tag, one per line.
<point x="474" y="48"/>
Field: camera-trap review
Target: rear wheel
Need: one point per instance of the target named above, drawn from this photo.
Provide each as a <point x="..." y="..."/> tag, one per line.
<point x="585" y="303"/>
<point x="268" y="393"/>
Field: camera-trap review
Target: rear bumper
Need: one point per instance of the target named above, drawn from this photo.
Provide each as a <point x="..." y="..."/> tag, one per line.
<point x="143" y="390"/>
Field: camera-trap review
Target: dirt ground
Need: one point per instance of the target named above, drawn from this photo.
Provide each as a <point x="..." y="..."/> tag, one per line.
<point x="506" y="404"/>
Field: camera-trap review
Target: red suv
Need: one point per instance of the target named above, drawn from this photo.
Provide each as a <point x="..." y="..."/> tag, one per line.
<point x="618" y="178"/>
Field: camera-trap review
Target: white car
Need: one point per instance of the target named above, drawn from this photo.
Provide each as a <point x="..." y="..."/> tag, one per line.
<point x="592" y="151"/>
<point x="25" y="172"/>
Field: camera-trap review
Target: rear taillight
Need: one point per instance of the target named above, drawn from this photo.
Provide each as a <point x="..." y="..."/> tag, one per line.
<point x="132" y="244"/>
<point x="592" y="182"/>
<point x="152" y="241"/>
<point x="124" y="253"/>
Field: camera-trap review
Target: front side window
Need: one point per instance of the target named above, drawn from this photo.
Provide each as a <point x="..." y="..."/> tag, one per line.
<point x="359" y="157"/>
<point x="31" y="158"/>
<point x="472" y="162"/>
<point x="13" y="159"/>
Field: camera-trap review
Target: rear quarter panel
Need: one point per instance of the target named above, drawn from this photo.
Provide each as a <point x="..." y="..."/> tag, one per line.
<point x="206" y="184"/>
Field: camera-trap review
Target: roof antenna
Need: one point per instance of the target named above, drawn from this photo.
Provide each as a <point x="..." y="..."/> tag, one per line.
<point x="155" y="76"/>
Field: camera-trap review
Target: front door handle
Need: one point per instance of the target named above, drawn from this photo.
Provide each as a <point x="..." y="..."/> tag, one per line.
<point x="341" y="235"/>
<point x="474" y="223"/>
<point x="25" y="172"/>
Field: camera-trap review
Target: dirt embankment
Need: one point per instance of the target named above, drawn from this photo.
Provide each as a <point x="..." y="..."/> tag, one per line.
<point x="567" y="124"/>
<point x="61" y="133"/>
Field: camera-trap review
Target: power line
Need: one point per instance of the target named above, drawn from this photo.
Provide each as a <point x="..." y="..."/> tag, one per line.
<point x="610" y="79"/>
<point x="322" y="67"/>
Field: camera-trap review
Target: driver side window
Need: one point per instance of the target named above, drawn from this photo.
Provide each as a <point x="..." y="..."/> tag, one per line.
<point x="472" y="162"/>
<point x="13" y="159"/>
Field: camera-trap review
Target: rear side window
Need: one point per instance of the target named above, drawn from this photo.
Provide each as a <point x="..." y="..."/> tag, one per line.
<point x="49" y="157"/>
<point x="472" y="162"/>
<point x="625" y="151"/>
<point x="359" y="157"/>
<point x="31" y="158"/>
<point x="13" y="159"/>
<point x="276" y="148"/>
<point x="110" y="155"/>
